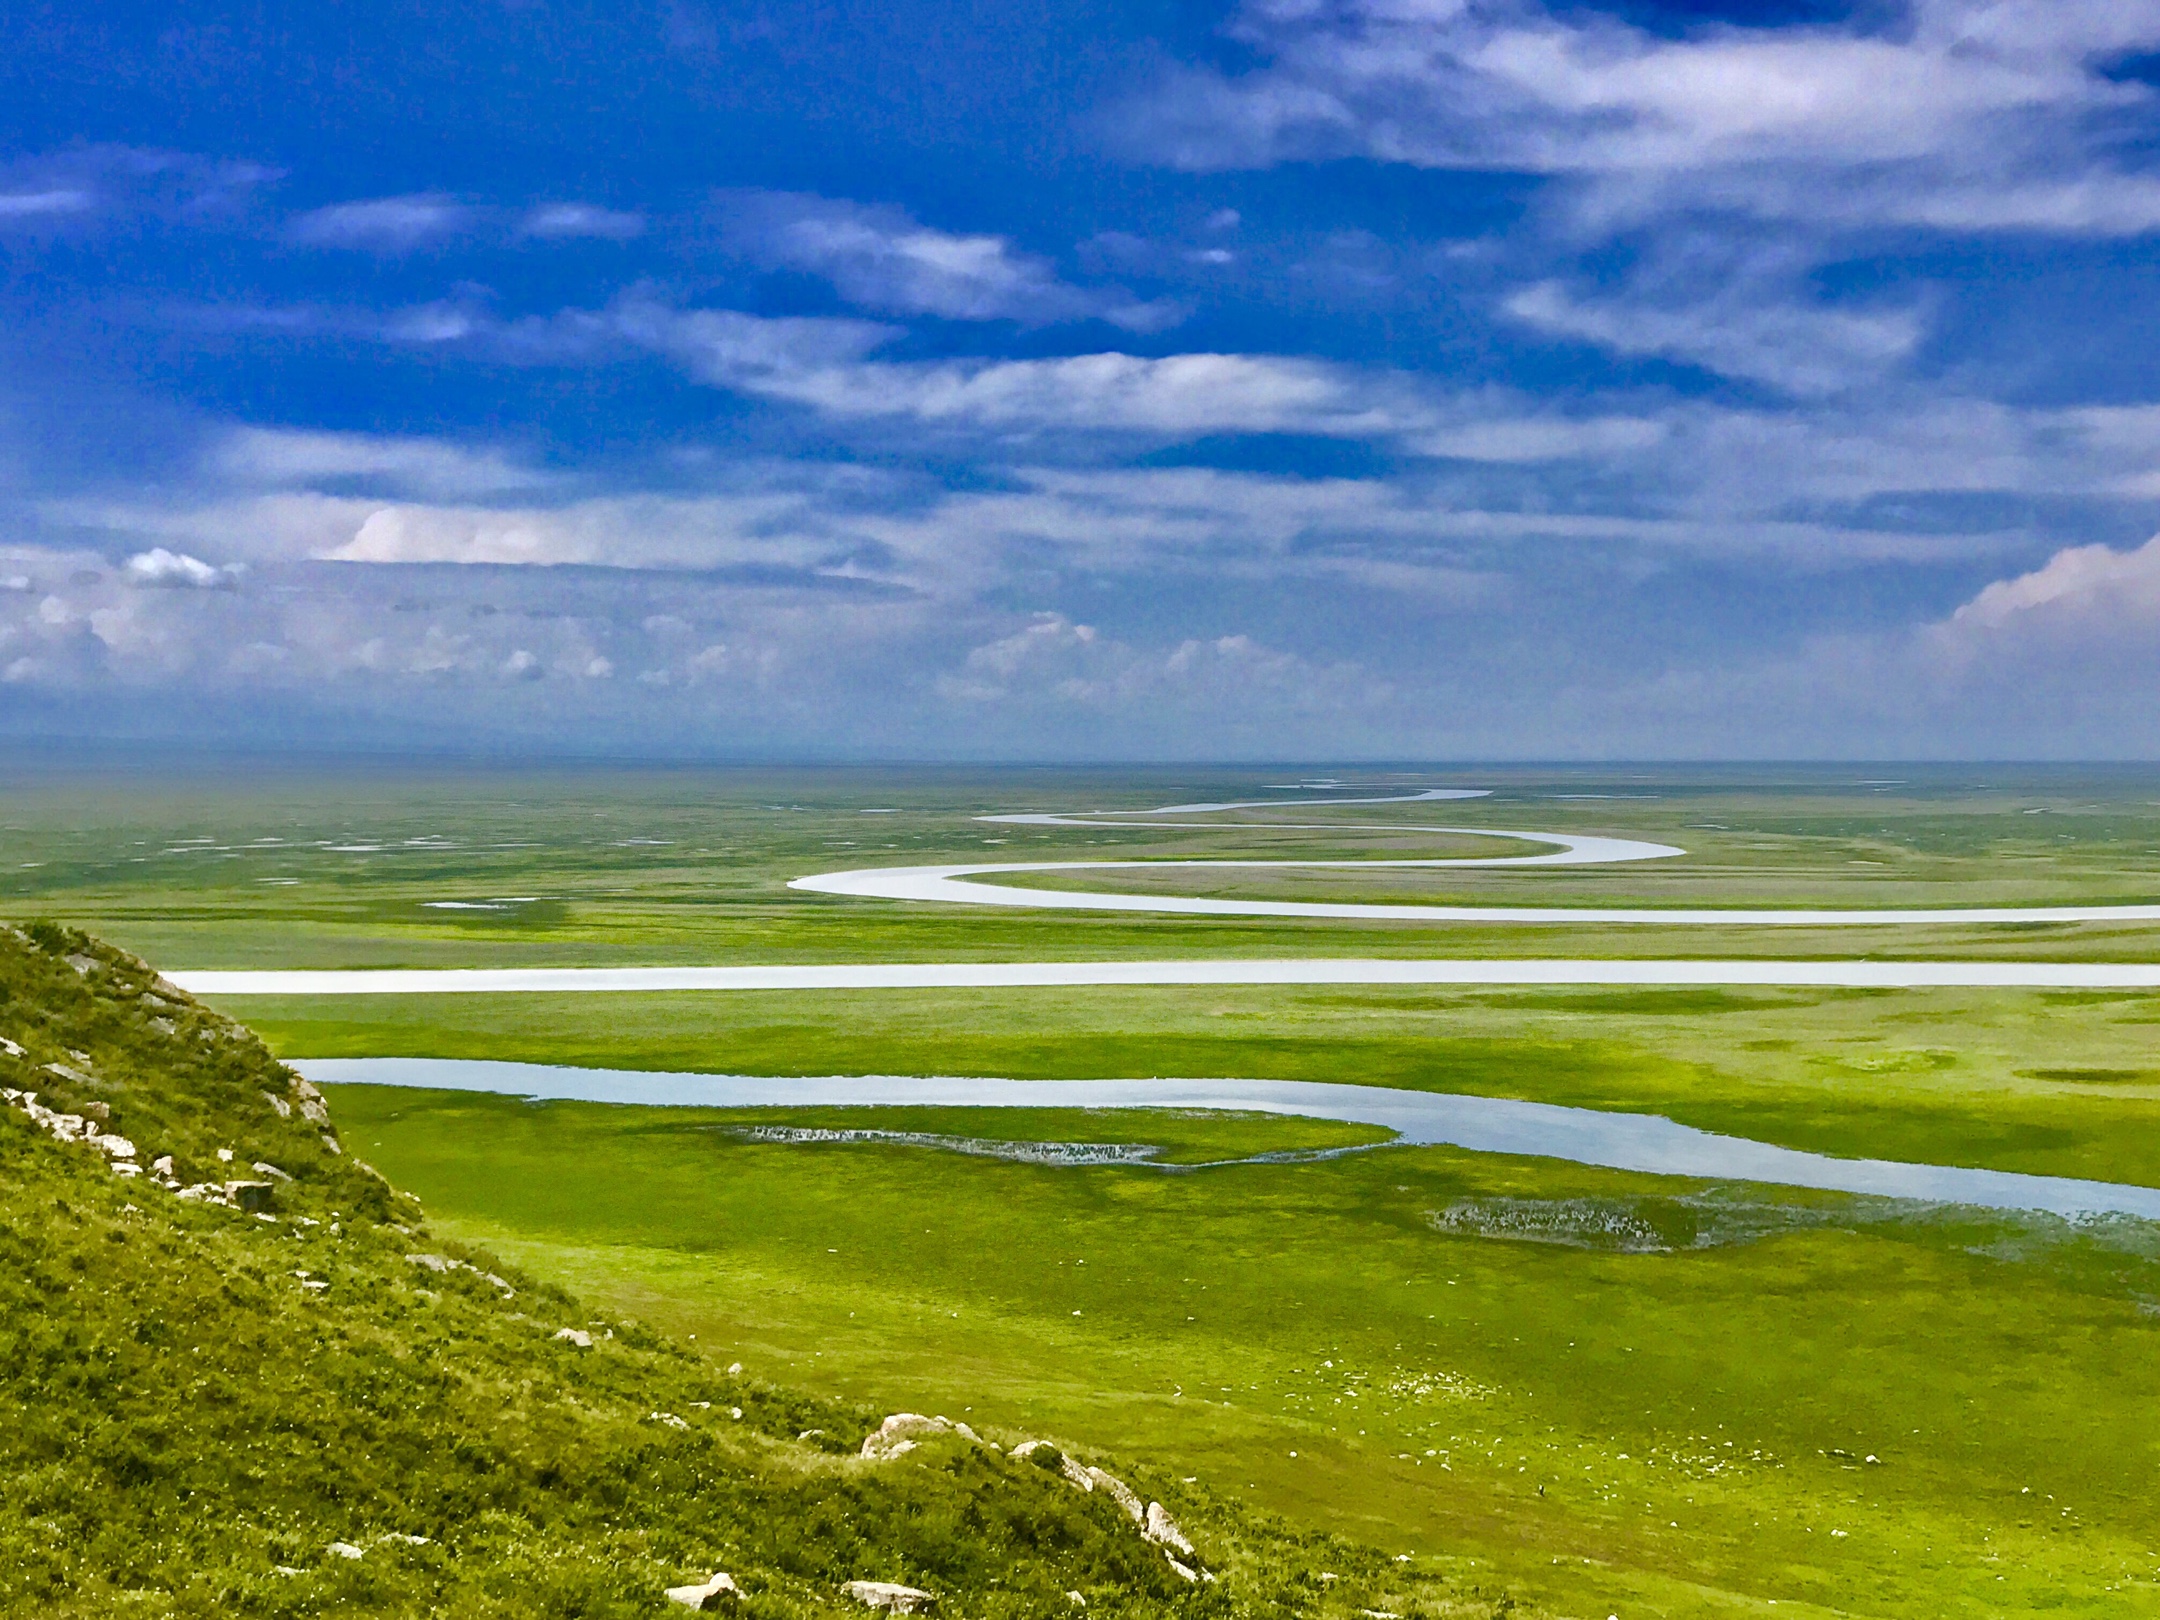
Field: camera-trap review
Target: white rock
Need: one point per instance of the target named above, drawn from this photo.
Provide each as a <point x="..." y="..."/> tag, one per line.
<point x="270" y="1170"/>
<point x="1181" y="1571"/>
<point x="162" y="1164"/>
<point x="1120" y="1493"/>
<point x="670" y="1419"/>
<point x="312" y="1107"/>
<point x="284" y="1108"/>
<point x="345" y="1549"/>
<point x="433" y="1262"/>
<point x="576" y="1336"/>
<point x="712" y="1594"/>
<point x="889" y="1596"/>
<point x="901" y="1433"/>
<point x="224" y="1155"/>
<point x="9" y="1047"/>
<point x="1163" y="1530"/>
<point x="113" y="1147"/>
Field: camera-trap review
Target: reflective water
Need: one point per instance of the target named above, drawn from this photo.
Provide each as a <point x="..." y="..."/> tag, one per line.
<point x="1618" y="1141"/>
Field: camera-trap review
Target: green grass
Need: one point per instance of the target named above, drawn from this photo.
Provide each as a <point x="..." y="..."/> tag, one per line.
<point x="339" y="868"/>
<point x="1611" y="1432"/>
<point x="1996" y="1079"/>
<point x="1676" y="1433"/>
<point x="196" y="1401"/>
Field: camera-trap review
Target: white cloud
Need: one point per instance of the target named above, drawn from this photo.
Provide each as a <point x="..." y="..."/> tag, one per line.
<point x="1975" y="114"/>
<point x="1517" y="439"/>
<point x="1803" y="349"/>
<point x="287" y="456"/>
<point x="91" y="184"/>
<point x="382" y="224"/>
<point x="37" y="204"/>
<point x="161" y="567"/>
<point x="560" y="221"/>
<point x="881" y="259"/>
<point x="2079" y="591"/>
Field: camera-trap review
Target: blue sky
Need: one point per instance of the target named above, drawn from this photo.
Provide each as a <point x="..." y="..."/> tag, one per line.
<point x="1304" y="378"/>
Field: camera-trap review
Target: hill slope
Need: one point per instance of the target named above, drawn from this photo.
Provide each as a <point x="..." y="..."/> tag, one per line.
<point x="237" y="1376"/>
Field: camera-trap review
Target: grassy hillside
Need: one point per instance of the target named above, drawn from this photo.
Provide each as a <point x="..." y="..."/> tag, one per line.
<point x="198" y="1399"/>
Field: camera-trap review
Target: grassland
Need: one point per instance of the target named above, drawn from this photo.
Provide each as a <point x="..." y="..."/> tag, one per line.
<point x="1668" y="1433"/>
<point x="1669" y="1424"/>
<point x="658" y="867"/>
<point x="211" y="1411"/>
<point x="2055" y="1083"/>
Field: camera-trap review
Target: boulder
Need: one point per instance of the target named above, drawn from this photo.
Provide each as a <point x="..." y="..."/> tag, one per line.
<point x="715" y="1593"/>
<point x="269" y="1170"/>
<point x="433" y="1262"/>
<point x="312" y="1107"/>
<point x="576" y="1336"/>
<point x="903" y="1431"/>
<point x="889" y="1596"/>
<point x="1120" y="1493"/>
<point x="251" y="1196"/>
<point x="1163" y="1530"/>
<point x="345" y="1549"/>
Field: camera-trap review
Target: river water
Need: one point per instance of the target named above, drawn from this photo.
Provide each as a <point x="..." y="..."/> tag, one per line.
<point x="1617" y="1141"/>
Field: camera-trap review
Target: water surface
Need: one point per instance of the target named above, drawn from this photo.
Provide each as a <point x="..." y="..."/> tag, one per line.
<point x="1617" y="1141"/>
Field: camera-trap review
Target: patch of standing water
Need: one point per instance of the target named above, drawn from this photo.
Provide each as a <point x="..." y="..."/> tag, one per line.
<point x="1647" y="1143"/>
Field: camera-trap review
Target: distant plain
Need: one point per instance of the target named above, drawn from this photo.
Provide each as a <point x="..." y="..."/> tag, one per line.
<point x="1680" y="1428"/>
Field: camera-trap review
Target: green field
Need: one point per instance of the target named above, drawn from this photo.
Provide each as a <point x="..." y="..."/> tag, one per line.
<point x="340" y="870"/>
<point x="1595" y="1392"/>
<point x="1663" y="1433"/>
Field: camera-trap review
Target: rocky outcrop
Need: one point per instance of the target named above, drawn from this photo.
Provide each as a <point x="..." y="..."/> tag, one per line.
<point x="1119" y="1492"/>
<point x="717" y="1592"/>
<point x="889" y="1596"/>
<point x="902" y="1432"/>
<point x="1163" y="1530"/>
<point x="1154" y="1520"/>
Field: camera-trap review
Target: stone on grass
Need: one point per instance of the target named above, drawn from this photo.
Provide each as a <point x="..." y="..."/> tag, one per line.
<point x="889" y="1596"/>
<point x="903" y="1431"/>
<point x="1120" y="1493"/>
<point x="712" y="1594"/>
<point x="1163" y="1530"/>
<point x="345" y="1549"/>
<point x="576" y="1336"/>
<point x="1181" y="1571"/>
<point x="251" y="1196"/>
<point x="270" y="1170"/>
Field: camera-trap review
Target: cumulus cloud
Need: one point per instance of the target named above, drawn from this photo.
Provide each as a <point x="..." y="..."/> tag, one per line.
<point x="382" y="224"/>
<point x="158" y="566"/>
<point x="2080" y="591"/>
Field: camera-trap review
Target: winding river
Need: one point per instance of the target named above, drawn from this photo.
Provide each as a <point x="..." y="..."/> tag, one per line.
<point x="1647" y="1143"/>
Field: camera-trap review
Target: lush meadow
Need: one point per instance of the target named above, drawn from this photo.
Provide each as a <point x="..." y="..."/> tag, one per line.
<point x="1613" y="1393"/>
<point x="1601" y="1393"/>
